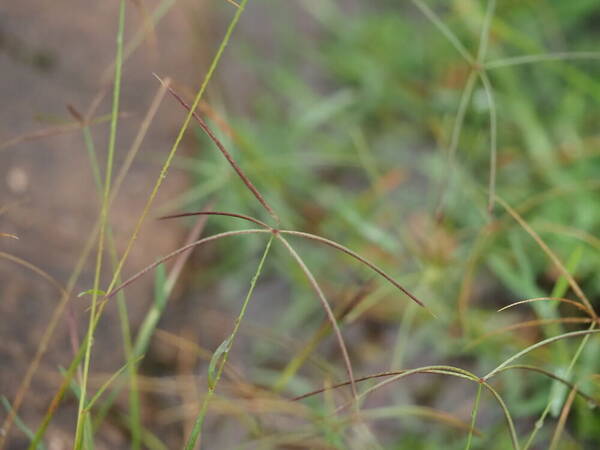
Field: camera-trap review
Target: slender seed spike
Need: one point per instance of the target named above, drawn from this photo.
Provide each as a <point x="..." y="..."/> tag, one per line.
<point x="557" y="262"/>
<point x="180" y="250"/>
<point x="327" y="309"/>
<point x="225" y="153"/>
<point x="357" y="257"/>
<point x="217" y="213"/>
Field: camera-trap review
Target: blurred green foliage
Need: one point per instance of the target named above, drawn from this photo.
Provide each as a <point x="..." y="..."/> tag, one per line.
<point x="348" y="135"/>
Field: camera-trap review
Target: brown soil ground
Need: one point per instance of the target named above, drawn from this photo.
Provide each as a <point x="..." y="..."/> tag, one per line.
<point x="52" y="56"/>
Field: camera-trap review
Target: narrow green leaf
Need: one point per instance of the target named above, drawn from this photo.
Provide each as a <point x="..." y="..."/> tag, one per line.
<point x="220" y="352"/>
<point x="97" y="292"/>
<point x="160" y="290"/>
<point x="161" y="295"/>
<point x="562" y="284"/>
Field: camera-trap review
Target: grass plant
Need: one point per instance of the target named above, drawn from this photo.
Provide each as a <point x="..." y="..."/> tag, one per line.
<point x="384" y="153"/>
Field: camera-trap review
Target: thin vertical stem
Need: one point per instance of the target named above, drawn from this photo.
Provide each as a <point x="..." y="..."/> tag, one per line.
<point x="173" y="151"/>
<point x="134" y="406"/>
<point x="487" y="86"/>
<point x="195" y="435"/>
<point x="474" y="416"/>
<point x="454" y="140"/>
<point x="428" y="12"/>
<point x="56" y="315"/>
<point x="485" y="31"/>
<point x="103" y="224"/>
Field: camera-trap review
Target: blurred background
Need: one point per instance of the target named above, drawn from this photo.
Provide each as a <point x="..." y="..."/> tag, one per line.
<point x="360" y="122"/>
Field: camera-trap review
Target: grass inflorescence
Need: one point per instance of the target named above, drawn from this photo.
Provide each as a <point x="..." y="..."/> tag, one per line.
<point x="430" y="165"/>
